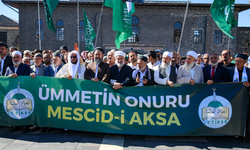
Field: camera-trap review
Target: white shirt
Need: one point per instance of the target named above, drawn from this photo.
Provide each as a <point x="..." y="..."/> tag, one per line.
<point x="154" y="66"/>
<point x="16" y="68"/>
<point x="96" y="70"/>
<point x="2" y="64"/>
<point x="141" y="77"/>
<point x="132" y="66"/>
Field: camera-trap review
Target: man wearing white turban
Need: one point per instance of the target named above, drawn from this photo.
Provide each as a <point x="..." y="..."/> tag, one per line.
<point x="120" y="73"/>
<point x="190" y="72"/>
<point x="166" y="74"/>
<point x="73" y="69"/>
<point x="18" y="68"/>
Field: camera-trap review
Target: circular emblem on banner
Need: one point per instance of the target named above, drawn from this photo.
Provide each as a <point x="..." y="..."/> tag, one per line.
<point x="19" y="103"/>
<point x="215" y="111"/>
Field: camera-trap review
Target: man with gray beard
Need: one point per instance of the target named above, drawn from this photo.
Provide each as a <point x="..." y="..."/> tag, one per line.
<point x="18" y="68"/>
<point x="166" y="73"/>
<point x="215" y="73"/>
<point x="190" y="72"/>
<point x="143" y="75"/>
<point x="120" y="74"/>
<point x="98" y="70"/>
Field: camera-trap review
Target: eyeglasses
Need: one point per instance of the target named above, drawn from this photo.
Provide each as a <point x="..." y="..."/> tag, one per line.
<point x="238" y="61"/>
<point x="73" y="57"/>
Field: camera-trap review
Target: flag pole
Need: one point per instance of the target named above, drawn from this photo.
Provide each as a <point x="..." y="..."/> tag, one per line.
<point x="228" y="46"/>
<point x="39" y="26"/>
<point x="98" y="28"/>
<point x="183" y="27"/>
<point x="78" y="38"/>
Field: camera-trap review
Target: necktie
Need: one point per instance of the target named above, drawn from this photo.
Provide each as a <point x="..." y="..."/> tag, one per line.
<point x="212" y="75"/>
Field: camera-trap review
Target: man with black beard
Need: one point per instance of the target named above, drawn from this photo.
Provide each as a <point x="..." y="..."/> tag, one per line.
<point x="214" y="72"/>
<point x="143" y="75"/>
<point x="74" y="69"/>
<point x="226" y="54"/>
<point x="190" y="72"/>
<point x="166" y="73"/>
<point x="120" y="74"/>
<point x="18" y="68"/>
<point x="98" y="70"/>
<point x="132" y="56"/>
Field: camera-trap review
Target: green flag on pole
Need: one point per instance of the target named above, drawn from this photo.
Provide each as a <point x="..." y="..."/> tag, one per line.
<point x="222" y="12"/>
<point x="49" y="6"/>
<point x="89" y="33"/>
<point x="122" y="22"/>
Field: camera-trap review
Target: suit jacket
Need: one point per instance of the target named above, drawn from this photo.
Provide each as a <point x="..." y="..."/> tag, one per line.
<point x="22" y="70"/>
<point x="221" y="74"/>
<point x="43" y="70"/>
<point x="150" y="81"/>
<point x="103" y="72"/>
<point x="7" y="62"/>
<point x="54" y="69"/>
<point x="231" y="73"/>
<point x="124" y="76"/>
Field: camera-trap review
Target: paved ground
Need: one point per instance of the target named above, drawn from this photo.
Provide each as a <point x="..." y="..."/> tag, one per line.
<point x="75" y="140"/>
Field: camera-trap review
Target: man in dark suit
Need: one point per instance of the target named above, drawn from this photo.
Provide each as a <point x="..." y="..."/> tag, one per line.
<point x="166" y="73"/>
<point x="18" y="68"/>
<point x="120" y="73"/>
<point x="98" y="70"/>
<point x="143" y="75"/>
<point x="215" y="73"/>
<point x="6" y="60"/>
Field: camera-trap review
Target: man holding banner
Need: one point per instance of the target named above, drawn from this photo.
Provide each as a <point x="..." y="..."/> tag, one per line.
<point x="73" y="69"/>
<point x="98" y="70"/>
<point x="190" y="72"/>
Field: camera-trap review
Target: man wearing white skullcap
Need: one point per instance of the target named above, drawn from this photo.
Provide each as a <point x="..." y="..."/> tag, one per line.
<point x="18" y="68"/>
<point x="73" y="69"/>
<point x="166" y="74"/>
<point x="190" y="72"/>
<point x="120" y="73"/>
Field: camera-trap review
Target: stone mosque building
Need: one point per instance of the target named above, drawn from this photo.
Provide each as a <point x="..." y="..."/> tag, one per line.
<point x="156" y="25"/>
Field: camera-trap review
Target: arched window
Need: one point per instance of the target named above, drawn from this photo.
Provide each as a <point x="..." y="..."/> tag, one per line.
<point x="135" y="30"/>
<point x="59" y="30"/>
<point x="177" y="32"/>
<point x="37" y="30"/>
<point x="81" y="31"/>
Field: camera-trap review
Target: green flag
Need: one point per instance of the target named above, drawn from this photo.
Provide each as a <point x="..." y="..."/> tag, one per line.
<point x="49" y="6"/>
<point x="89" y="33"/>
<point x="122" y="22"/>
<point x="222" y="12"/>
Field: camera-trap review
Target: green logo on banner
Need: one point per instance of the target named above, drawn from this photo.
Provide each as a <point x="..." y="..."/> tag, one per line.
<point x="19" y="103"/>
<point x="215" y="111"/>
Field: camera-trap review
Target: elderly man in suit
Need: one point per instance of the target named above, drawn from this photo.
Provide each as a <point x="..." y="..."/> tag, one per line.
<point x="74" y="69"/>
<point x="18" y="68"/>
<point x="214" y="72"/>
<point x="143" y="75"/>
<point x="39" y="69"/>
<point x="190" y="72"/>
<point x="166" y="73"/>
<point x="6" y="60"/>
<point x="98" y="70"/>
<point x="240" y="73"/>
<point x="120" y="73"/>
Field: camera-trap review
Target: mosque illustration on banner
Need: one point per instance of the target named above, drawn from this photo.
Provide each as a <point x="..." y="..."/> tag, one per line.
<point x="19" y="103"/>
<point x="215" y="111"/>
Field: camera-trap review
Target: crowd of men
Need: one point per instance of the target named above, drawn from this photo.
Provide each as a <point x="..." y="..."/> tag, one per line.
<point x="132" y="69"/>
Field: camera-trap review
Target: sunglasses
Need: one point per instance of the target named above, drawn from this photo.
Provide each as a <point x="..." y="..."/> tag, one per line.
<point x="73" y="57"/>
